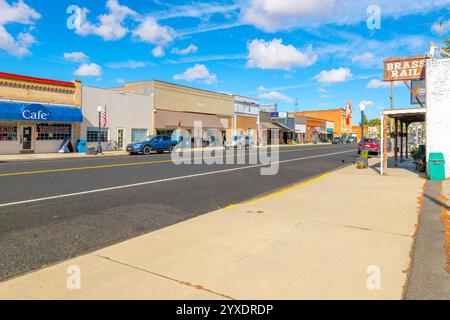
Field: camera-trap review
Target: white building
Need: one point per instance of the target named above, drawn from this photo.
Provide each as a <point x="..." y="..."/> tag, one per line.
<point x="129" y="117"/>
<point x="438" y="108"/>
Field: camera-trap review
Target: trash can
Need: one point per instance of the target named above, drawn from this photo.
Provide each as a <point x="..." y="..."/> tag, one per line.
<point x="81" y="146"/>
<point x="436" y="166"/>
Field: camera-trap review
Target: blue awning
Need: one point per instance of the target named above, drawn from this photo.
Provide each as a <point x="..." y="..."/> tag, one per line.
<point x="39" y="112"/>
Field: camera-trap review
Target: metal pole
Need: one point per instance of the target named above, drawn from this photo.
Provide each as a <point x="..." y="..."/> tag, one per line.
<point x="99" y="147"/>
<point x="362" y="131"/>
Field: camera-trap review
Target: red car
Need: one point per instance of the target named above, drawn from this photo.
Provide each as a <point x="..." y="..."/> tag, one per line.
<point x="371" y="145"/>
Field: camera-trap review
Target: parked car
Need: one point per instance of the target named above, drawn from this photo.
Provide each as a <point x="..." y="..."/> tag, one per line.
<point x="351" y="140"/>
<point x="240" y="142"/>
<point x="337" y="140"/>
<point x="371" y="145"/>
<point x="158" y="143"/>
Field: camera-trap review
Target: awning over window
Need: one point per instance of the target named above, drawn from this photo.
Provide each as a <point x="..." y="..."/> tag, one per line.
<point x="282" y="126"/>
<point x="268" y="125"/>
<point x="39" y="112"/>
<point x="171" y="120"/>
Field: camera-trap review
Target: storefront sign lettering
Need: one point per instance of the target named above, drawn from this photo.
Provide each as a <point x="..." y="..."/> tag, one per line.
<point x="404" y="68"/>
<point x="36" y="113"/>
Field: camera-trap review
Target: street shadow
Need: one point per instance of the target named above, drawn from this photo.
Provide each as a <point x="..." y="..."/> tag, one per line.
<point x="437" y="202"/>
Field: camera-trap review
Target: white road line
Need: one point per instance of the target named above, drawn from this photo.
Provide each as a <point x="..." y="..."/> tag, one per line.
<point x="165" y="180"/>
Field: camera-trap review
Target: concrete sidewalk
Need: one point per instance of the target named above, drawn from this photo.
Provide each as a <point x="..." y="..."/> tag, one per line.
<point x="315" y="240"/>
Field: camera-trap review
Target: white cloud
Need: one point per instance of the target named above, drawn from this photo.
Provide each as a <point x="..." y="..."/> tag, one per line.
<point x="199" y="72"/>
<point x="190" y="49"/>
<point x="376" y="84"/>
<point x="120" y="80"/>
<point x="111" y="25"/>
<point x="276" y="55"/>
<point x="365" y="59"/>
<point x="367" y="103"/>
<point x="274" y="15"/>
<point x="76" y="56"/>
<point x="158" y="52"/>
<point x="261" y="88"/>
<point x="276" y="96"/>
<point x="130" y="64"/>
<point x="322" y="90"/>
<point x="334" y="75"/>
<point x="441" y="27"/>
<point x="89" y="70"/>
<point x="17" y="13"/>
<point x="150" y="31"/>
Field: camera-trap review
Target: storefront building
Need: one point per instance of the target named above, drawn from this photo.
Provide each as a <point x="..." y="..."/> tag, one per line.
<point x="37" y="115"/>
<point x="286" y="125"/>
<point x="124" y="118"/>
<point x="179" y="106"/>
<point x="266" y="129"/>
<point x="246" y="114"/>
<point x="338" y="116"/>
<point x="330" y="130"/>
<point x="300" y="129"/>
<point x="316" y="130"/>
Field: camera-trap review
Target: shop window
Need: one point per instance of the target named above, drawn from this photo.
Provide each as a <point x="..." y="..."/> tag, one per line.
<point x="54" y="131"/>
<point x="8" y="131"/>
<point x="139" y="135"/>
<point x="92" y="134"/>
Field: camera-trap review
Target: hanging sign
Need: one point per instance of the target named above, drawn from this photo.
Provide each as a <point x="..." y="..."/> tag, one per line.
<point x="405" y="68"/>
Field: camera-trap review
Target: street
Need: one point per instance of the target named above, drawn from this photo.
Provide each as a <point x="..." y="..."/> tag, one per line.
<point x="51" y="211"/>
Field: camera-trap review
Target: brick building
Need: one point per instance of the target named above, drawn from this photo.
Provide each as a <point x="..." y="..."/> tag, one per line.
<point x="341" y="129"/>
<point x="37" y="115"/>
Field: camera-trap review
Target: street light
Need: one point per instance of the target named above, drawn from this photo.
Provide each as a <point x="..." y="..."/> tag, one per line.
<point x="99" y="147"/>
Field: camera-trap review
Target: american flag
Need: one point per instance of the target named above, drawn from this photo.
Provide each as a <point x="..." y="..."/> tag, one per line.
<point x="104" y="117"/>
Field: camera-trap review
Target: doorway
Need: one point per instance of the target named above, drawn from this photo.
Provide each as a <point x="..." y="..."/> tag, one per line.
<point x="27" y="138"/>
<point x="120" y="138"/>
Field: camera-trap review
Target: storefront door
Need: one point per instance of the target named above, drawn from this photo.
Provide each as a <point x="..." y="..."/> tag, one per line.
<point x="27" y="138"/>
<point x="120" y="138"/>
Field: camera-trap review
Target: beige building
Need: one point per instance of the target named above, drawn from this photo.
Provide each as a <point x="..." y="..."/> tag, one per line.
<point x="175" y="105"/>
<point x="37" y="115"/>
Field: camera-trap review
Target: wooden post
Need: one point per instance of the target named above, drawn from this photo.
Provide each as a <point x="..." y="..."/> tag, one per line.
<point x="401" y="141"/>
<point x="385" y="143"/>
<point x="407" y="149"/>
<point x="395" y="143"/>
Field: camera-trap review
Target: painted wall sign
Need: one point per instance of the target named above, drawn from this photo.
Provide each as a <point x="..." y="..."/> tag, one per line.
<point x="408" y="68"/>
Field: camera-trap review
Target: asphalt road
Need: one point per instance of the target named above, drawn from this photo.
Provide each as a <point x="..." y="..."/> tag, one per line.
<point x="51" y="211"/>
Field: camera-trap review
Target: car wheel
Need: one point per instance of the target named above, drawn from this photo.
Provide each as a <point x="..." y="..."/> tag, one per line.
<point x="147" y="150"/>
<point x="171" y="149"/>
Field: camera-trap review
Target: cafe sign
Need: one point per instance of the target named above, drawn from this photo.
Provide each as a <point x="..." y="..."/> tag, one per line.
<point x="405" y="68"/>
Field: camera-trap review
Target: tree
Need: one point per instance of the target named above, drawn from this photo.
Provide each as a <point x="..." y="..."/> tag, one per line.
<point x="446" y="50"/>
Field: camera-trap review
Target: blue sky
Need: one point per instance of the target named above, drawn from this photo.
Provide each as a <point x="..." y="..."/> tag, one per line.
<point x="320" y="53"/>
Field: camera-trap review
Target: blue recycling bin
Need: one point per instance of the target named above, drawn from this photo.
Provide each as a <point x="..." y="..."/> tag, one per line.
<point x="81" y="146"/>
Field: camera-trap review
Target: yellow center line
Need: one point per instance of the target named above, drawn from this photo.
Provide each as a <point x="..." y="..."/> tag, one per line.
<point x="131" y="164"/>
<point x="280" y="192"/>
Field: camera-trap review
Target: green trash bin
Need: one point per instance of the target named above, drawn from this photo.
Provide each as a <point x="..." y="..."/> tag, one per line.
<point x="436" y="166"/>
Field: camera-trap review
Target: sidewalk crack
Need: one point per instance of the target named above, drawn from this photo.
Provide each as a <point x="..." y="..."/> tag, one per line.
<point x="184" y="283"/>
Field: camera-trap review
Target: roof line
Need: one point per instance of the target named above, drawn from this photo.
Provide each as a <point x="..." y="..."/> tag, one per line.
<point x="34" y="79"/>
